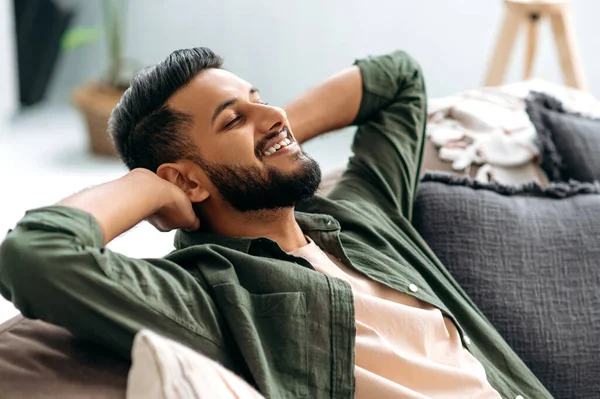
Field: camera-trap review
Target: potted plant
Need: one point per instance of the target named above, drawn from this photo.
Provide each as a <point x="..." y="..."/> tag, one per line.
<point x="96" y="99"/>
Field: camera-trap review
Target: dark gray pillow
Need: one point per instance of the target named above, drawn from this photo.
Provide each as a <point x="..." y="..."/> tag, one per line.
<point x="569" y="142"/>
<point x="529" y="257"/>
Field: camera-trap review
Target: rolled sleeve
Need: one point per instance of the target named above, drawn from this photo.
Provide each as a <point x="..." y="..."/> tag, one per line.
<point x="74" y="222"/>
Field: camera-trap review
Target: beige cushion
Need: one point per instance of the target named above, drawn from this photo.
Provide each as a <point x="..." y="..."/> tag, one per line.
<point x="164" y="369"/>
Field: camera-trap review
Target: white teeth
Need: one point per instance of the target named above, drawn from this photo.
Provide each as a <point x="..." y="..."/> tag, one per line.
<point x="275" y="147"/>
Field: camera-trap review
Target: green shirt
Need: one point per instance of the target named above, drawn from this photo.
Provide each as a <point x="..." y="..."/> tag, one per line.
<point x="267" y="315"/>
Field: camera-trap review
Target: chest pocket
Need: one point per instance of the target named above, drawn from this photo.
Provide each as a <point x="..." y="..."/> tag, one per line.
<point x="270" y="330"/>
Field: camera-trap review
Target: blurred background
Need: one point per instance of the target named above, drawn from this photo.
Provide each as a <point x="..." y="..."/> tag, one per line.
<point x="55" y="53"/>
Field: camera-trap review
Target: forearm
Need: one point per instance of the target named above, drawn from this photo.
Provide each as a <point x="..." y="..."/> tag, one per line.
<point x="329" y="106"/>
<point x="121" y="204"/>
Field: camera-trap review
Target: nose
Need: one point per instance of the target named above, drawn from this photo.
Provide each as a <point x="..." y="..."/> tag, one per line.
<point x="270" y="119"/>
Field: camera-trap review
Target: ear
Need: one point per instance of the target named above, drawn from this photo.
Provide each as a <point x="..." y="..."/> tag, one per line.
<point x="184" y="176"/>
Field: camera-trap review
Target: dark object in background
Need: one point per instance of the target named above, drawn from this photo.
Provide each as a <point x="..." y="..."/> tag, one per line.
<point x="569" y="141"/>
<point x="40" y="25"/>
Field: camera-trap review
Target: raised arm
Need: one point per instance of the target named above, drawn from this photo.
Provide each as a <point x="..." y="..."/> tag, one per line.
<point x="121" y="204"/>
<point x="54" y="267"/>
<point x="385" y="96"/>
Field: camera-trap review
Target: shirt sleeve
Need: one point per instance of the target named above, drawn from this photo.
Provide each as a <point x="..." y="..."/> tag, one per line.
<point x="388" y="145"/>
<point x="53" y="267"/>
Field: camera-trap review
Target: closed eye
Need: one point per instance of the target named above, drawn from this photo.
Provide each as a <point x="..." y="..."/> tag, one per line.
<point x="237" y="118"/>
<point x="232" y="122"/>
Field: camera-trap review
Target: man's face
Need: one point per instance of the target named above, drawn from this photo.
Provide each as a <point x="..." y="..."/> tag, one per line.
<point x="246" y="148"/>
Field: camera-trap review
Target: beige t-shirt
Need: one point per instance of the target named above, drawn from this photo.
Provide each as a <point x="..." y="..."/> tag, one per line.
<point x="405" y="348"/>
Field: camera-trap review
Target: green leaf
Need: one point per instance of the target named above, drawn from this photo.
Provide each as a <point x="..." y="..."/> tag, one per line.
<point x="80" y="36"/>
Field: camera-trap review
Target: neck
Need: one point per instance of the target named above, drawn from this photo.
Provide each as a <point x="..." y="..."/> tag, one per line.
<point x="278" y="225"/>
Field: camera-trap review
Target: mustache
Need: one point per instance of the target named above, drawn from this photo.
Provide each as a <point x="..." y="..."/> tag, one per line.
<point x="261" y="144"/>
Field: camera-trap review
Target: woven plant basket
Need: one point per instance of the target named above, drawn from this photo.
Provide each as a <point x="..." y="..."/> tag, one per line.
<point x="96" y="102"/>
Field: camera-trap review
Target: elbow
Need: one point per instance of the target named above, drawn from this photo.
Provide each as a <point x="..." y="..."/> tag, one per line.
<point x="400" y="75"/>
<point x="409" y="70"/>
<point x="23" y="271"/>
<point x="407" y="63"/>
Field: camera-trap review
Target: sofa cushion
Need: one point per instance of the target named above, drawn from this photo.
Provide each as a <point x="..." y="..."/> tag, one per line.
<point x="528" y="257"/>
<point x="569" y="142"/>
<point x="38" y="359"/>
<point x="162" y="369"/>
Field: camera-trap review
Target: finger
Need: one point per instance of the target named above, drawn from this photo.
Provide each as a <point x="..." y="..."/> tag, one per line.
<point x="194" y="226"/>
<point x="157" y="226"/>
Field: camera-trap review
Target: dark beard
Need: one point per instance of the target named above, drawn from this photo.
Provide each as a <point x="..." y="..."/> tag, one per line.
<point x="247" y="189"/>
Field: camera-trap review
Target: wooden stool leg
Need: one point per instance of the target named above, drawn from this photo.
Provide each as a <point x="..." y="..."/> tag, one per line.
<point x="505" y="43"/>
<point x="533" y="29"/>
<point x="564" y="37"/>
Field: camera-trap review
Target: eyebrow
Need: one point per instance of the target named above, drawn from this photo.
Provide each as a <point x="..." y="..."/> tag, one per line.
<point x="228" y="103"/>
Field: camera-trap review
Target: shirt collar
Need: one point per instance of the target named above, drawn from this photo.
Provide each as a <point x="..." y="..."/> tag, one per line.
<point x="307" y="221"/>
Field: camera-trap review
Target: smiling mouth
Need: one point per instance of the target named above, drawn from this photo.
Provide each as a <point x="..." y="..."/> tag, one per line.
<point x="276" y="147"/>
<point x="277" y="142"/>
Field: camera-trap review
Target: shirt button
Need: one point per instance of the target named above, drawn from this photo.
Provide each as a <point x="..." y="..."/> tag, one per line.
<point x="519" y="397"/>
<point x="413" y="288"/>
<point x="467" y="341"/>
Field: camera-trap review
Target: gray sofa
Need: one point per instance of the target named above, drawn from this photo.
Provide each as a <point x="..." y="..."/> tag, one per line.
<point x="529" y="257"/>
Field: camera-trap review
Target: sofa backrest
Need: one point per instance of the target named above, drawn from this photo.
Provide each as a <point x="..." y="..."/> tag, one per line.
<point x="40" y="358"/>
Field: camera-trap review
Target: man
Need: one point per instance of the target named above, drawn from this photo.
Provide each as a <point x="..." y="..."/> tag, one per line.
<point x="303" y="296"/>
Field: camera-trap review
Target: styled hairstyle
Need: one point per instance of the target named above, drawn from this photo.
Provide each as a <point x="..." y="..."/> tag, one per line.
<point x="145" y="131"/>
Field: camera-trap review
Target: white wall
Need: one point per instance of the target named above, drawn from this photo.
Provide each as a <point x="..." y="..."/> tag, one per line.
<point x="8" y="74"/>
<point x="284" y="47"/>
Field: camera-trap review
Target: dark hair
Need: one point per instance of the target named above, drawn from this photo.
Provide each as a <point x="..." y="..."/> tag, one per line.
<point x="145" y="131"/>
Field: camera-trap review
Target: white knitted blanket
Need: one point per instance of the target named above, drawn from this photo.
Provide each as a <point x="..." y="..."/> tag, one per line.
<point x="489" y="126"/>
